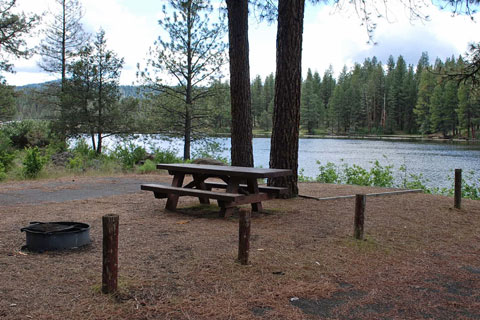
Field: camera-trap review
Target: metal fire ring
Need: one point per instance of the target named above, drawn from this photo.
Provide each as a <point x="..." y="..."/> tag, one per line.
<point x="49" y="236"/>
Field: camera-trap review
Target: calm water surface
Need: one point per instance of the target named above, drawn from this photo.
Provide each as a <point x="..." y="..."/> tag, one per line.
<point x="436" y="161"/>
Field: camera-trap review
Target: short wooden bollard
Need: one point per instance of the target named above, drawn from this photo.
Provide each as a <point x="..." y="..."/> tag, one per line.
<point x="458" y="188"/>
<point x="244" y="236"/>
<point x="360" y="200"/>
<point x="110" y="253"/>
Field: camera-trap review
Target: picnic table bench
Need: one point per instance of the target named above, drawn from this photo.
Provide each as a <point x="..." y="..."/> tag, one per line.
<point x="240" y="185"/>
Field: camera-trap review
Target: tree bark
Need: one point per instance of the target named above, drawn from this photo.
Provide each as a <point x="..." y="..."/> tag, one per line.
<point x="110" y="253"/>
<point x="241" y="105"/>
<point x="64" y="41"/>
<point x="187" y="134"/>
<point x="286" y="113"/>
<point x="188" y="92"/>
<point x="99" y="142"/>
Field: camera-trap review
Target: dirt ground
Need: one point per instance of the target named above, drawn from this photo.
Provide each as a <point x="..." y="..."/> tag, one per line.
<point x="420" y="259"/>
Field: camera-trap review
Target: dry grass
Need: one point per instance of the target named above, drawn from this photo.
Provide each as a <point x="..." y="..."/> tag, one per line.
<point x="421" y="259"/>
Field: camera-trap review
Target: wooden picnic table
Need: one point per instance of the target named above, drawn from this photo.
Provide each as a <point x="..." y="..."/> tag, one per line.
<point x="240" y="185"/>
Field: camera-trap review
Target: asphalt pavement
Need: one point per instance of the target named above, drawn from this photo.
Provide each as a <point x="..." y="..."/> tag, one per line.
<point x="70" y="190"/>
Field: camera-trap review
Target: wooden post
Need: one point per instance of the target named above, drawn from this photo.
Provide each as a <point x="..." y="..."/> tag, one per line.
<point x="458" y="188"/>
<point x="110" y="253"/>
<point x="244" y="236"/>
<point x="360" y="200"/>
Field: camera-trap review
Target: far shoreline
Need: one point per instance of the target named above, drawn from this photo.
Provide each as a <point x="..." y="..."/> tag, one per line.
<point x="402" y="138"/>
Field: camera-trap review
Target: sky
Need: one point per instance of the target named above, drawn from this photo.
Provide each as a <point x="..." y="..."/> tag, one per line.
<point x="331" y="37"/>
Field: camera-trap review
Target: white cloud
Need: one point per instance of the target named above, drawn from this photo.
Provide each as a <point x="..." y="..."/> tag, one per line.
<point x="339" y="38"/>
<point x="329" y="37"/>
<point x="129" y="35"/>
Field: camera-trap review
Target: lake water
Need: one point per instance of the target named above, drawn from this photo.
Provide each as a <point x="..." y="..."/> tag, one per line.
<point x="436" y="161"/>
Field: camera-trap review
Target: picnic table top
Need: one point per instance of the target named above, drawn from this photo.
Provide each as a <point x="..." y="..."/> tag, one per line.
<point x="246" y="172"/>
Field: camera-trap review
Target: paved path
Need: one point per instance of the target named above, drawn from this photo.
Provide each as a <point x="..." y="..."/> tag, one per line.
<point x="70" y="190"/>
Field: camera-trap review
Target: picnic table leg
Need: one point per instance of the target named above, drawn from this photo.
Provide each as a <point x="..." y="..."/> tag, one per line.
<point x="200" y="183"/>
<point x="252" y="185"/>
<point x="232" y="187"/>
<point x="173" y="198"/>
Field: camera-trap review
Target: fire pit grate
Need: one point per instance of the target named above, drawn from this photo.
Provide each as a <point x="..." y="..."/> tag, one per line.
<point x="48" y="236"/>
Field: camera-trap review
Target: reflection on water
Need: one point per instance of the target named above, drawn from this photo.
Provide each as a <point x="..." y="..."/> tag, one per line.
<point x="435" y="161"/>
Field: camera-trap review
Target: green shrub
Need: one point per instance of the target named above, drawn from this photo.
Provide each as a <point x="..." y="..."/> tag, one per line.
<point x="470" y="187"/>
<point x="166" y="156"/>
<point x="3" y="174"/>
<point x="76" y="164"/>
<point x="356" y="175"/>
<point x="7" y="153"/>
<point x="29" y="133"/>
<point x="84" y="157"/>
<point x="33" y="163"/>
<point x="471" y="190"/>
<point x="148" y="167"/>
<point x="378" y="175"/>
<point x="328" y="173"/>
<point x="83" y="149"/>
<point x="413" y="181"/>
<point x="56" y="146"/>
<point x="129" y="154"/>
<point x="381" y="176"/>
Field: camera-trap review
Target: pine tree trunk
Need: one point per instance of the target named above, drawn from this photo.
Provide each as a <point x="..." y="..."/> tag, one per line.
<point x="188" y="93"/>
<point x="94" y="145"/>
<point x="99" y="143"/>
<point x="286" y="114"/>
<point x="64" y="42"/>
<point x="241" y="105"/>
<point x="187" y="135"/>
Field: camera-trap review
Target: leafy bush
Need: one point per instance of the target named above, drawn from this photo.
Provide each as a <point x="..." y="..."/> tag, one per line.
<point x="148" y="167"/>
<point x="3" y="174"/>
<point x="414" y="181"/>
<point x="83" y="149"/>
<point x="7" y="154"/>
<point x="356" y="175"/>
<point x="33" y="163"/>
<point x="381" y="176"/>
<point x="84" y="157"/>
<point x="76" y="164"/>
<point x="166" y="156"/>
<point x="470" y="187"/>
<point x="129" y="154"/>
<point x="29" y="133"/>
<point x="378" y="175"/>
<point x="328" y="173"/>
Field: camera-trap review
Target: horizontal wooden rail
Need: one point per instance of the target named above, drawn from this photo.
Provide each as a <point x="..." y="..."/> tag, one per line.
<point x="390" y="193"/>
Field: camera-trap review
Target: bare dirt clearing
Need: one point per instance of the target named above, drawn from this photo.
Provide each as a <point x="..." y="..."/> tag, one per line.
<point x="421" y="259"/>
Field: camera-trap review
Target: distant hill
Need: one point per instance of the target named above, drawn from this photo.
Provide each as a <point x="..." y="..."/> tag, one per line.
<point x="35" y="85"/>
<point x="125" y="91"/>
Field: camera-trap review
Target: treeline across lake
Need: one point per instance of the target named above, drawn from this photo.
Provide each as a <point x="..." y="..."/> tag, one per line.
<point x="370" y="98"/>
